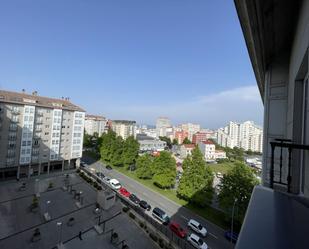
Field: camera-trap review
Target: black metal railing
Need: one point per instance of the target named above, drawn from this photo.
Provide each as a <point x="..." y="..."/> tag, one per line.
<point x="290" y="146"/>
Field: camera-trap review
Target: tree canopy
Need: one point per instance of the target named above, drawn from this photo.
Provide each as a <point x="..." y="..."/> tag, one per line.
<point x="144" y="167"/>
<point x="186" y="141"/>
<point x="196" y="182"/>
<point x="237" y="184"/>
<point x="167" y="140"/>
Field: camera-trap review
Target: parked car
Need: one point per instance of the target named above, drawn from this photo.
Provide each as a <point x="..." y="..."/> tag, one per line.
<point x="106" y="179"/>
<point x="100" y="175"/>
<point x="143" y="204"/>
<point x="196" y="241"/>
<point x="134" y="199"/>
<point x="231" y="236"/>
<point x="124" y="192"/>
<point x="108" y="167"/>
<point x="115" y="184"/>
<point x="197" y="227"/>
<point x="178" y="230"/>
<point x="160" y="215"/>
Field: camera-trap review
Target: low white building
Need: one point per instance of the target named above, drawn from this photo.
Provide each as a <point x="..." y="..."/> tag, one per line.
<point x="220" y="154"/>
<point x="186" y="150"/>
<point x="208" y="149"/>
<point x="147" y="143"/>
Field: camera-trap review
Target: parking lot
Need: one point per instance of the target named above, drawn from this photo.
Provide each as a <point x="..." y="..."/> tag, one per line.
<point x="68" y="216"/>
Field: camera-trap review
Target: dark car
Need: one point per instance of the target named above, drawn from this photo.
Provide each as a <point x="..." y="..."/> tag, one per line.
<point x="100" y="175"/>
<point x="143" y="204"/>
<point x="134" y="199"/>
<point x="109" y="167"/>
<point x="231" y="236"/>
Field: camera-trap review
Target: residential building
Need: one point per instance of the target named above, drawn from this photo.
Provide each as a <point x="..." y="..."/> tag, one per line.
<point x="124" y="128"/>
<point x="147" y="143"/>
<point x="191" y="129"/>
<point x="95" y="124"/>
<point x="208" y="149"/>
<point x="219" y="154"/>
<point x="180" y="136"/>
<point x="277" y="38"/>
<point x="186" y="150"/>
<point x="38" y="134"/>
<point x="246" y="135"/>
<point x="161" y="126"/>
<point x="199" y="137"/>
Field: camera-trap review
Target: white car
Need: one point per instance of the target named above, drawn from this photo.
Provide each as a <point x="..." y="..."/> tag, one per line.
<point x="197" y="227"/>
<point x="115" y="184"/>
<point x="196" y="241"/>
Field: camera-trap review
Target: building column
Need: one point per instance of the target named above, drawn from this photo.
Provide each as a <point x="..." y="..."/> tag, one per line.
<point x="18" y="172"/>
<point x="48" y="166"/>
<point x="62" y="164"/>
<point x="29" y="170"/>
<point x="39" y="171"/>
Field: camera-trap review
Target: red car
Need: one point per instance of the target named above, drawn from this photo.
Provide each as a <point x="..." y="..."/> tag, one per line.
<point x="178" y="230"/>
<point x="124" y="192"/>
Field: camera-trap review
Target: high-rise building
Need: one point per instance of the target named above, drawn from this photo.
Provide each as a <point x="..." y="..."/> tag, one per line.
<point x="38" y="134"/>
<point x="163" y="123"/>
<point x="199" y="137"/>
<point x="124" y="128"/>
<point x="95" y="124"/>
<point x="245" y="135"/>
<point x="180" y="136"/>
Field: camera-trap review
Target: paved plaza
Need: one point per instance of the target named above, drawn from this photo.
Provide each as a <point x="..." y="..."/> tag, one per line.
<point x="67" y="216"/>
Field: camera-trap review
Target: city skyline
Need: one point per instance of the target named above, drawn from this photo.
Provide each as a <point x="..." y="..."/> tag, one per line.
<point x="157" y="59"/>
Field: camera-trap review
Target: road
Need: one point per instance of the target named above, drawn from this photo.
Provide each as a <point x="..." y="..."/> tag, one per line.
<point x="215" y="238"/>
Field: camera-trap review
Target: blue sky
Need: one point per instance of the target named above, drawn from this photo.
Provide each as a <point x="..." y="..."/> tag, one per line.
<point x="132" y="59"/>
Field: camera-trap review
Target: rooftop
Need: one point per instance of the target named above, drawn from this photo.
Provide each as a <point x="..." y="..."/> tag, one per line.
<point x="33" y="99"/>
<point x="95" y="117"/>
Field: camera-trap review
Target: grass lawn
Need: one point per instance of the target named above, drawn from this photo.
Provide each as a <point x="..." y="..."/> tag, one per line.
<point x="209" y="213"/>
<point x="221" y="167"/>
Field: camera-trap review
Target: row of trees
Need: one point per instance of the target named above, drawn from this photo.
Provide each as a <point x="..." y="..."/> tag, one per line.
<point x="116" y="151"/>
<point x="161" y="169"/>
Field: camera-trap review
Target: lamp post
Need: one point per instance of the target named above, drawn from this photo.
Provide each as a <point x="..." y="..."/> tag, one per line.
<point x="59" y="224"/>
<point x="235" y="200"/>
<point x="47" y="208"/>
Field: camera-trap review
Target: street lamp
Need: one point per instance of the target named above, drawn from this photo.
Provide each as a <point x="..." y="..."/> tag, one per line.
<point x="59" y="224"/>
<point x="47" y="209"/>
<point x="235" y="200"/>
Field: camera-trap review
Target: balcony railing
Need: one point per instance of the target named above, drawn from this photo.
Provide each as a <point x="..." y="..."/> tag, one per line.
<point x="13" y="128"/>
<point x="12" y="138"/>
<point x="290" y="146"/>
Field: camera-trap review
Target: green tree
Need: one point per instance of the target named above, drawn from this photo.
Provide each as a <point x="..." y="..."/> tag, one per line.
<point x="175" y="141"/>
<point x="196" y="182"/>
<point x="186" y="141"/>
<point x="107" y="139"/>
<point x="116" y="152"/>
<point x="130" y="151"/>
<point x="237" y="184"/>
<point x="143" y="167"/>
<point x="87" y="140"/>
<point x="167" y="140"/>
<point x="164" y="169"/>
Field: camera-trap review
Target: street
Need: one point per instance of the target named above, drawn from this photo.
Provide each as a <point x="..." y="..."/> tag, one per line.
<point x="215" y="238"/>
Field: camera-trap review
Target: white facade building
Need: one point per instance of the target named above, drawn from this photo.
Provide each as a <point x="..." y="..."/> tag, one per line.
<point x="208" y="149"/>
<point x="95" y="124"/>
<point x="191" y="129"/>
<point x="124" y="128"/>
<point x="162" y="124"/>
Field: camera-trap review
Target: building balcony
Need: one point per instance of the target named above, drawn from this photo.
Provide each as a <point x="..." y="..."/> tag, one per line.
<point x="10" y="155"/>
<point x="39" y="114"/>
<point x="12" y="138"/>
<point x="36" y="145"/>
<point x="11" y="145"/>
<point x="15" y="112"/>
<point x="13" y="128"/>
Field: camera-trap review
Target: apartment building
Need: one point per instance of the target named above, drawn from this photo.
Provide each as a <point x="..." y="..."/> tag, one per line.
<point x="147" y="143"/>
<point x="162" y="125"/>
<point x="277" y="39"/>
<point x="95" y="124"/>
<point x="191" y="129"/>
<point x="199" y="137"/>
<point x="38" y="134"/>
<point x="180" y="136"/>
<point x="124" y="128"/>
<point x="246" y="135"/>
<point x="208" y="149"/>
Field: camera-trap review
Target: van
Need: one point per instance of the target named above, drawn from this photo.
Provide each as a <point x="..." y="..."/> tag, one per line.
<point x="160" y="215"/>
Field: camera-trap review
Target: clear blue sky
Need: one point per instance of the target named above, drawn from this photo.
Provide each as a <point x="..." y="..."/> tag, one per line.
<point x="132" y="59"/>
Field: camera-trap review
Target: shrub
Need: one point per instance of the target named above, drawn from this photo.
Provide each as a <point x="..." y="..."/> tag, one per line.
<point x="131" y="215"/>
<point x="161" y="243"/>
<point x="78" y="170"/>
<point x="125" y="209"/>
<point x="99" y="188"/>
<point x="141" y="224"/>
